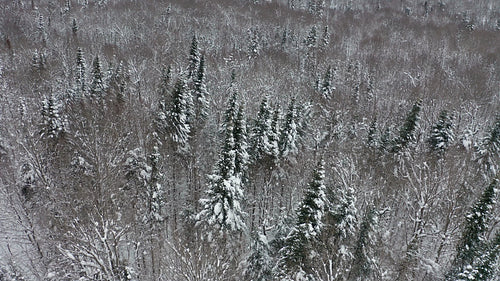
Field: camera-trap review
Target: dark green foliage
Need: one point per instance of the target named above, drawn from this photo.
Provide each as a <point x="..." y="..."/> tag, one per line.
<point x="408" y="130"/>
<point x="309" y="225"/>
<point x="289" y="133"/>
<point x="472" y="244"/>
<point x="80" y="74"/>
<point x="363" y="262"/>
<point x="259" y="263"/>
<point x="240" y="144"/>
<point x="442" y="133"/>
<point x="178" y="116"/>
<point x="262" y="130"/>
<point x="97" y="85"/>
<point x="194" y="58"/>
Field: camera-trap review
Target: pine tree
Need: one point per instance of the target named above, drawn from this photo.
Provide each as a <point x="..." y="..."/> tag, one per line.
<point x="311" y="210"/>
<point x="53" y="122"/>
<point x="163" y="101"/>
<point x="80" y="75"/>
<point x="309" y="226"/>
<point x="408" y="131"/>
<point x="289" y="133"/>
<point x="472" y="244"/>
<point x="326" y="87"/>
<point x="222" y="208"/>
<point x="74" y="27"/>
<point x="489" y="148"/>
<point x="259" y="263"/>
<point x="262" y="130"/>
<point x="363" y="258"/>
<point x="372" y="140"/>
<point x="194" y="59"/>
<point x="241" y="146"/>
<point x="442" y="133"/>
<point x="274" y="135"/>
<point x="156" y="189"/>
<point x="179" y="115"/>
<point x="200" y="92"/>
<point x="97" y="87"/>
<point x="325" y="38"/>
<point x="311" y="38"/>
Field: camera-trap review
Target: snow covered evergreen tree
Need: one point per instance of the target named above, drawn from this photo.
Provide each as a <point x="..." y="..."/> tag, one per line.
<point x="473" y="245"/>
<point x="442" y="134"/>
<point x="326" y="87"/>
<point x="156" y="190"/>
<point x="489" y="148"/>
<point x="372" y="140"/>
<point x="259" y="263"/>
<point x="363" y="258"/>
<point x="408" y="131"/>
<point x="262" y="132"/>
<point x="194" y="59"/>
<point x="221" y="209"/>
<point x="179" y="114"/>
<point x="296" y="252"/>
<point x="54" y="123"/>
<point x="242" y="157"/>
<point x="201" y="93"/>
<point x="97" y="87"/>
<point x="80" y="75"/>
<point x="289" y="133"/>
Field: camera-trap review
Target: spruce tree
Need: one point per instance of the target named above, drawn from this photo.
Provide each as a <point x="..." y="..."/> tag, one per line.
<point x="472" y="244"/>
<point x="156" y="190"/>
<point x="259" y="263"/>
<point x="442" y="133"/>
<point x="261" y="146"/>
<point x="240" y="146"/>
<point x="327" y="87"/>
<point x="309" y="226"/>
<point x="54" y="124"/>
<point x="410" y="126"/>
<point x="178" y="116"/>
<point x="221" y="209"/>
<point x="372" y="140"/>
<point x="200" y="92"/>
<point x="97" y="87"/>
<point x="194" y="59"/>
<point x="80" y="75"/>
<point x="363" y="258"/>
<point x="289" y="133"/>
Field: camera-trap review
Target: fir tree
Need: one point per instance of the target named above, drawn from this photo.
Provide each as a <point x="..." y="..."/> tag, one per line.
<point x="363" y="258"/>
<point x="200" y="92"/>
<point x="325" y="38"/>
<point x="442" y="133"/>
<point x="259" y="263"/>
<point x="80" y="75"/>
<point x="472" y="244"/>
<point x="311" y="38"/>
<point x="178" y="116"/>
<point x="163" y="101"/>
<point x="97" y="85"/>
<point x="289" y="133"/>
<point x="372" y="140"/>
<point x="194" y="59"/>
<point x="156" y="190"/>
<point x="310" y="213"/>
<point x="74" y="27"/>
<point x="408" y="131"/>
<point x="489" y="148"/>
<point x="326" y="87"/>
<point x="240" y="146"/>
<point x="222" y="208"/>
<point x="261" y="146"/>
<point x="53" y="122"/>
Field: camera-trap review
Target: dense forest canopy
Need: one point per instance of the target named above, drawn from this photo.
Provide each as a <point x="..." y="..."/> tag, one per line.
<point x="249" y="140"/>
